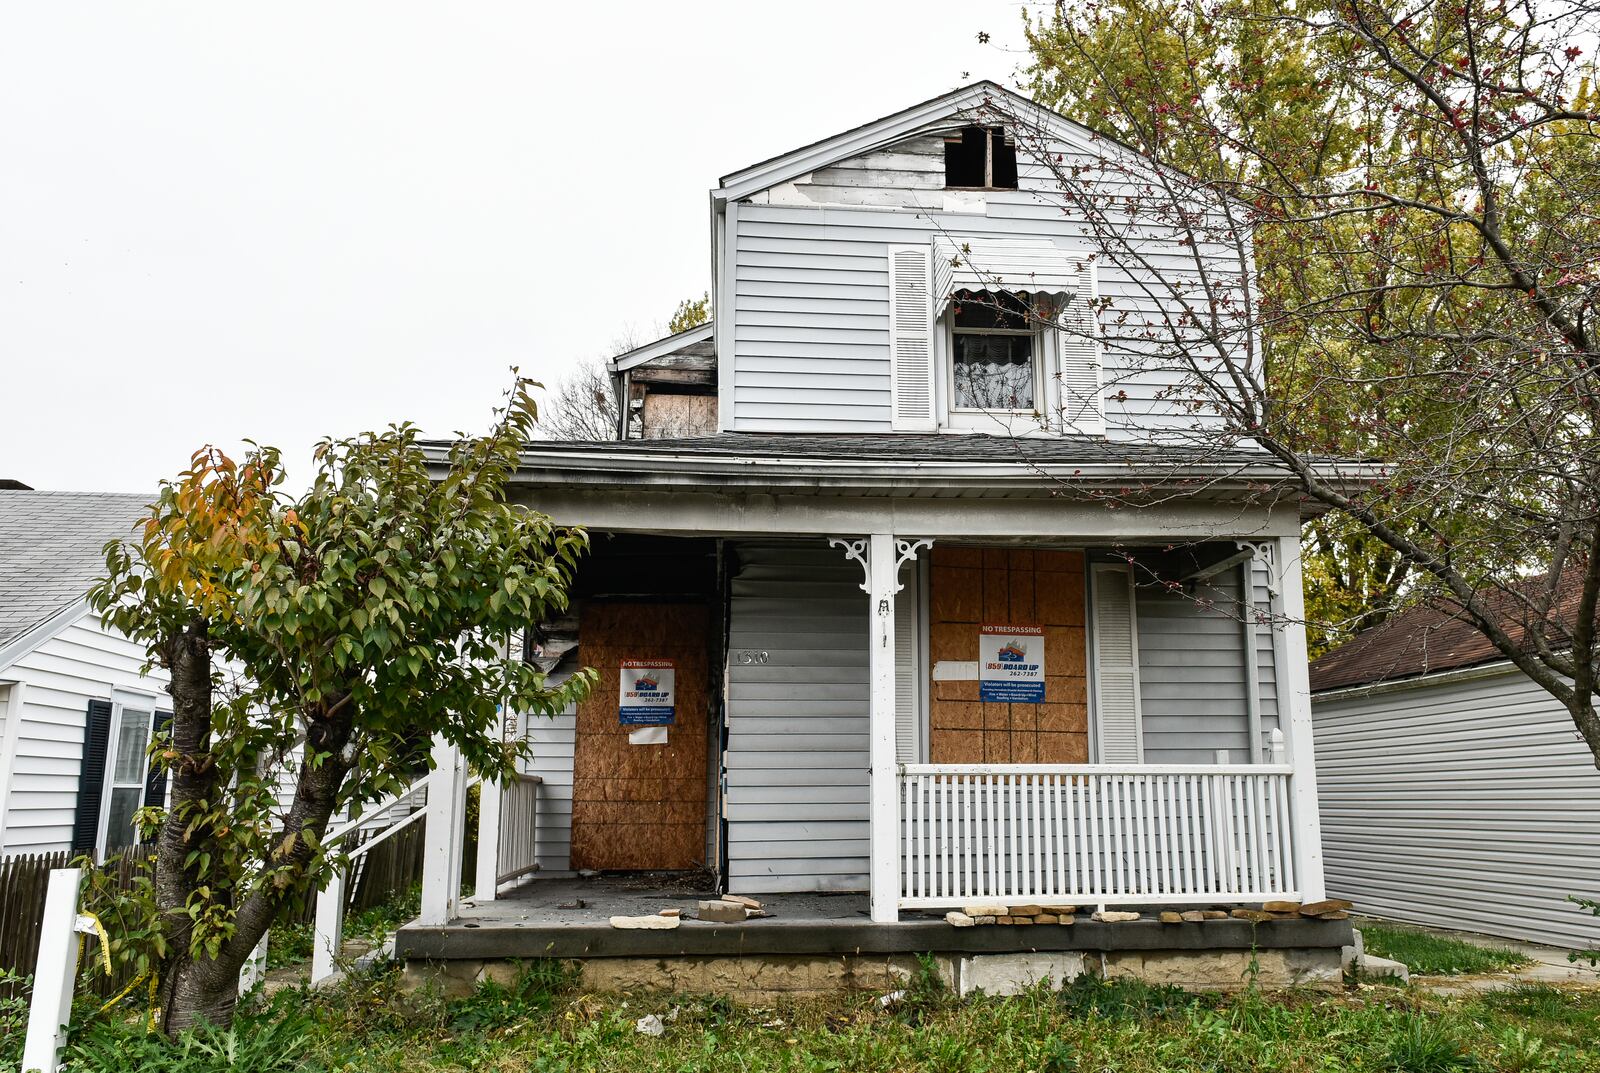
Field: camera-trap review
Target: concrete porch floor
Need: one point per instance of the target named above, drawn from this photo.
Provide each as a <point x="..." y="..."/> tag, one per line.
<point x="530" y="922"/>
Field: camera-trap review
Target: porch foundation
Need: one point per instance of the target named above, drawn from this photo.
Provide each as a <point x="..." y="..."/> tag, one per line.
<point x="758" y="979"/>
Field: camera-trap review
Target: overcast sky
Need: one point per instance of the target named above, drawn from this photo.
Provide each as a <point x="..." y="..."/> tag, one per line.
<point x="280" y="221"/>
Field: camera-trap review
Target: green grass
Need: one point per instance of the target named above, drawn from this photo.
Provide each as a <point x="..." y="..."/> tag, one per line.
<point x="1434" y="955"/>
<point x="540" y="1023"/>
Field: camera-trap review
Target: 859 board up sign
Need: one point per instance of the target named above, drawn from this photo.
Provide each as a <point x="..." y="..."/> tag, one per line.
<point x="647" y="696"/>
<point x="1011" y="664"/>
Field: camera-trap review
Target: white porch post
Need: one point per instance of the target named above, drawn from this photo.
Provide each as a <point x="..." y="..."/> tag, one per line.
<point x="441" y="859"/>
<point x="885" y="815"/>
<point x="881" y="557"/>
<point x="485" y="883"/>
<point x="56" y="973"/>
<point x="1291" y="621"/>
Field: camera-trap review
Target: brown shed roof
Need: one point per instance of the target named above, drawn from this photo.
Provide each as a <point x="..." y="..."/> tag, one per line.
<point x="1437" y="636"/>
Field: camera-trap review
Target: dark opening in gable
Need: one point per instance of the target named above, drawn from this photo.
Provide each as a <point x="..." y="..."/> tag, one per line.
<point x="980" y="158"/>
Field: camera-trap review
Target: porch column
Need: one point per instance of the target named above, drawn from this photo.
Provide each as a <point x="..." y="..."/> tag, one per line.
<point x="1291" y="614"/>
<point x="885" y="814"/>
<point x="881" y="557"/>
<point x="441" y="855"/>
<point x="490" y="792"/>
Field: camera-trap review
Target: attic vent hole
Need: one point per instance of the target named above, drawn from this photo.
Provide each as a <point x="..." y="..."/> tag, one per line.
<point x="980" y="158"/>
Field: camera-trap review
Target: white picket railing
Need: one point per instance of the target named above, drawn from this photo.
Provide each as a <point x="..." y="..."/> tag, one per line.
<point x="1094" y="834"/>
<point x="398" y="811"/>
<point x="519" y="827"/>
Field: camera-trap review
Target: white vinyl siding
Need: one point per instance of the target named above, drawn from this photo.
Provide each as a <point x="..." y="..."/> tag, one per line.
<point x="810" y="347"/>
<point x="82" y="662"/>
<point x="1192" y="668"/>
<point x="551" y="740"/>
<point x="1116" y="666"/>
<point x="1468" y="804"/>
<point x="796" y="758"/>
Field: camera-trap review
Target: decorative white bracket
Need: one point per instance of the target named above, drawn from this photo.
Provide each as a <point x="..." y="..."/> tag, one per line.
<point x="905" y="551"/>
<point x="856" y="548"/>
<point x="1266" y="553"/>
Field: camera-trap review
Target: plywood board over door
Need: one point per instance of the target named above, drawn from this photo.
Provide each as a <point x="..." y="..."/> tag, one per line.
<point x="970" y="587"/>
<point x="641" y="807"/>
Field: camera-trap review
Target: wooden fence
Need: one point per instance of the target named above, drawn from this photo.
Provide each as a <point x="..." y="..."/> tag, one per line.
<point x="23" y="881"/>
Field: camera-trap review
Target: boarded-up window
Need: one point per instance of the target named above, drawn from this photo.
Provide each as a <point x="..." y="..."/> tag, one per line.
<point x="970" y="587"/>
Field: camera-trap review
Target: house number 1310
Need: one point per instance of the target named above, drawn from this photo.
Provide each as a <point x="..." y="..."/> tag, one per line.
<point x="748" y="657"/>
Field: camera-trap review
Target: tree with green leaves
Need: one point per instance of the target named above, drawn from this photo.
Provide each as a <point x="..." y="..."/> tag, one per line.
<point x="691" y="313"/>
<point x="338" y="631"/>
<point x="1388" y="233"/>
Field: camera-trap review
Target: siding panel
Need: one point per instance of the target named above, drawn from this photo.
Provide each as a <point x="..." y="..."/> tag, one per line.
<point x="1446" y="803"/>
<point x="796" y="762"/>
<point x="81" y="663"/>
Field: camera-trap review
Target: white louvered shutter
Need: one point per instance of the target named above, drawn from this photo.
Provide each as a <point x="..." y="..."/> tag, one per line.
<point x="907" y="673"/>
<point x="911" y="369"/>
<point x="1116" y="659"/>
<point x="1077" y="342"/>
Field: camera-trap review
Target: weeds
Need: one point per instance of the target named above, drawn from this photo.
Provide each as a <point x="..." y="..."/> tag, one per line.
<point x="270" y="1043"/>
<point x="537" y="1021"/>
<point x="1124" y="999"/>
<point x="1429" y="1045"/>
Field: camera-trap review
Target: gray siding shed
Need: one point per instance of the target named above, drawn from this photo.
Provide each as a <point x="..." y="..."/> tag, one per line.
<point x="1460" y="801"/>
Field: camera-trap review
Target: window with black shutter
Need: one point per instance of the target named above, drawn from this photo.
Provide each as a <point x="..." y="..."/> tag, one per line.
<point x="91" y="777"/>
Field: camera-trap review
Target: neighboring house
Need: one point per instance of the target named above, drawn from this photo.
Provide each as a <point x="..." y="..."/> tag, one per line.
<point x="948" y="605"/>
<point x="1455" y="791"/>
<point x="76" y="711"/>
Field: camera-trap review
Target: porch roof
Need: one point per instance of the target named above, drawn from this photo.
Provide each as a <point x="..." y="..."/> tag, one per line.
<point x="910" y="464"/>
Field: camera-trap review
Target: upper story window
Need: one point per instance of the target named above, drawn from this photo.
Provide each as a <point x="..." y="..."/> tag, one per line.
<point x="980" y="158"/>
<point x="994" y="354"/>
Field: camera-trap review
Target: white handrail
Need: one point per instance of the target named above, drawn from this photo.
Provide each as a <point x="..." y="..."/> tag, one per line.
<point x="355" y="823"/>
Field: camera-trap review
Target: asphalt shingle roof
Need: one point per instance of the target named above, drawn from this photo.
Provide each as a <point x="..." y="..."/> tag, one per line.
<point x="933" y="447"/>
<point x="50" y="550"/>
<point x="1437" y="636"/>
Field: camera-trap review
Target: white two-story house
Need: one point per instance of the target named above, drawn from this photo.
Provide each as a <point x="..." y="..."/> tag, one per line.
<point x="910" y="582"/>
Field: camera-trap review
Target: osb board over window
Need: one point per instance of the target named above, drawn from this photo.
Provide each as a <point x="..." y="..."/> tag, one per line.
<point x="641" y="806"/>
<point x="969" y="587"/>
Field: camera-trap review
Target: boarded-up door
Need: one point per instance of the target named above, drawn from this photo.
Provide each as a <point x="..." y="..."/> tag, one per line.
<point x="641" y="807"/>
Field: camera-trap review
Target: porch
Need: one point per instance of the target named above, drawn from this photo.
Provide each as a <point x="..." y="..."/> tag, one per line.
<point x="822" y="742"/>
<point x="919" y="689"/>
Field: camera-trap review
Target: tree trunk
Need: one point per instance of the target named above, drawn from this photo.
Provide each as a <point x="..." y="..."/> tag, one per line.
<point x="192" y="991"/>
<point x="202" y="992"/>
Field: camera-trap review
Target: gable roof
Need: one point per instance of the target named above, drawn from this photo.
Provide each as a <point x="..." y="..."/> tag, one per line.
<point x="672" y="344"/>
<point x="891" y="128"/>
<point x="1437" y="636"/>
<point x="50" y="553"/>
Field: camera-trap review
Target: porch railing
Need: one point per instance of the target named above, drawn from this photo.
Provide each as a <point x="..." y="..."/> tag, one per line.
<point x="1094" y="834"/>
<point x="519" y="827"/>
